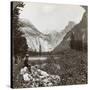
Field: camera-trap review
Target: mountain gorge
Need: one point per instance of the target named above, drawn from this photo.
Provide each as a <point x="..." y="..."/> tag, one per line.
<point x="36" y="39"/>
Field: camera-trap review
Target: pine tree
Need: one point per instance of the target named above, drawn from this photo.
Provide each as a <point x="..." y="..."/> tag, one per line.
<point x="19" y="42"/>
<point x="72" y="41"/>
<point x="40" y="49"/>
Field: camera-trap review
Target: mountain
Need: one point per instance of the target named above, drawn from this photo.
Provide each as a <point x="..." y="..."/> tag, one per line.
<point x="36" y="39"/>
<point x="33" y="36"/>
<point x="56" y="37"/>
<point x="76" y="38"/>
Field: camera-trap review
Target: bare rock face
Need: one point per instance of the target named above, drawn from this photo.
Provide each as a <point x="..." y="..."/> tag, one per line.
<point x="36" y="39"/>
<point x="76" y="38"/>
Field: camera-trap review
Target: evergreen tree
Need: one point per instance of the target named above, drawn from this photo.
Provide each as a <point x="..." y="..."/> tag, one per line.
<point x="72" y="41"/>
<point x="19" y="42"/>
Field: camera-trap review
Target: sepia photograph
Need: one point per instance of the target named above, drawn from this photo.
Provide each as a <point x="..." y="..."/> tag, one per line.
<point x="49" y="44"/>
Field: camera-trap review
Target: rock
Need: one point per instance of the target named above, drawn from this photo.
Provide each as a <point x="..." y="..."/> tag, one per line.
<point x="42" y="73"/>
<point x="26" y="77"/>
<point x="23" y="70"/>
<point x="38" y="77"/>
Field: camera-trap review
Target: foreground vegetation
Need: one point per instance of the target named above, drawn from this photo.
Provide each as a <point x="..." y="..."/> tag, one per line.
<point x="70" y="65"/>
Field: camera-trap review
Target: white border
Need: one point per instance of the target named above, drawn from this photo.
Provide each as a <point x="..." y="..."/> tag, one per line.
<point x="5" y="44"/>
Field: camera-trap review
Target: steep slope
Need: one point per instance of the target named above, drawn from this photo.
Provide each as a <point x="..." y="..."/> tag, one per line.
<point x="57" y="37"/>
<point x="36" y="39"/>
<point x="33" y="36"/>
<point x="76" y="38"/>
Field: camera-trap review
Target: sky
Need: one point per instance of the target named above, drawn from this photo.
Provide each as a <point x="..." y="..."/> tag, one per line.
<point x="48" y="17"/>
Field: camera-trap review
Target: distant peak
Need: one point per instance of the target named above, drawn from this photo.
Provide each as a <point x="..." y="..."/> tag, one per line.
<point x="71" y="23"/>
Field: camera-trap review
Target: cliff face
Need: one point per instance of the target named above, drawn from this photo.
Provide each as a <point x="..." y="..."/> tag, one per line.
<point x="76" y="38"/>
<point x="36" y="39"/>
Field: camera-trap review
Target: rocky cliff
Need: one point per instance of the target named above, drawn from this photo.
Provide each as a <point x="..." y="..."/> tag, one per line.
<point x="76" y="38"/>
<point x="36" y="39"/>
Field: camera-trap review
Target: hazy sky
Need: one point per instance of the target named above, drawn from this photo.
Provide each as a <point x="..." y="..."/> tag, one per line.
<point x="48" y="17"/>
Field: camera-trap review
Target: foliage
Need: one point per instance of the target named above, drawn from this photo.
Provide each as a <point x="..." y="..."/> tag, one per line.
<point x="19" y="42"/>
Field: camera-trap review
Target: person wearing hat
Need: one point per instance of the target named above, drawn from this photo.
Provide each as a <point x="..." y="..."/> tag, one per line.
<point x="26" y="60"/>
<point x="26" y="63"/>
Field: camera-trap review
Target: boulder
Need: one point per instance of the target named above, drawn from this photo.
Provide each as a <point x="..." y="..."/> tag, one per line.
<point x="38" y="77"/>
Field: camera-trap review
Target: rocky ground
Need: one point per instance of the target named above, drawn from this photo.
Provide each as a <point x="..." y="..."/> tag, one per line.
<point x="36" y="78"/>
